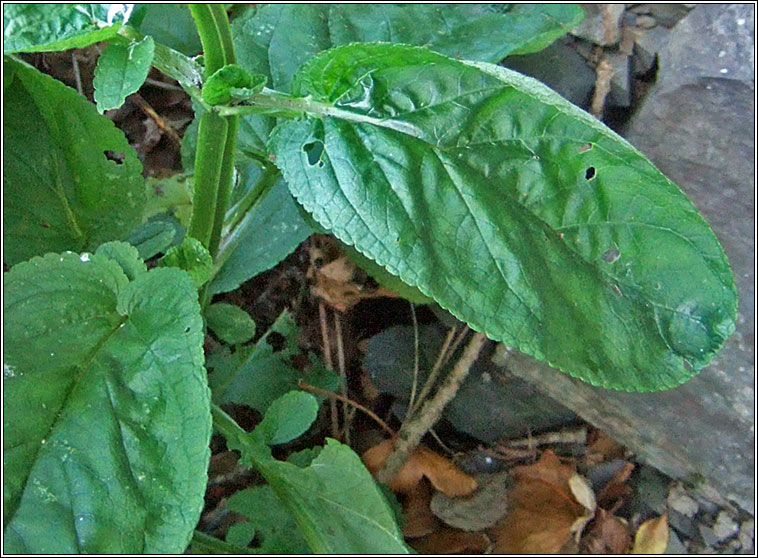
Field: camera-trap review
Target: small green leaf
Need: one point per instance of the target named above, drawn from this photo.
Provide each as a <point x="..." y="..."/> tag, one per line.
<point x="171" y="195"/>
<point x="121" y="70"/>
<point x="71" y="180"/>
<point x="106" y="416"/>
<point x="267" y="516"/>
<point x="256" y="375"/>
<point x="265" y="236"/>
<point x="124" y="255"/>
<point x="232" y="82"/>
<point x="288" y="417"/>
<point x="516" y="211"/>
<point x="192" y="257"/>
<point x="230" y="323"/>
<point x="46" y="27"/>
<point x="155" y="236"/>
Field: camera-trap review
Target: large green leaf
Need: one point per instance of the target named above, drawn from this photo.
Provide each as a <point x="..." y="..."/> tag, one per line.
<point x="169" y="24"/>
<point x="71" y="179"/>
<point x="45" y="27"/>
<point x="518" y="212"/>
<point x="276" y="39"/>
<point x="338" y="507"/>
<point x="106" y="406"/>
<point x="121" y="70"/>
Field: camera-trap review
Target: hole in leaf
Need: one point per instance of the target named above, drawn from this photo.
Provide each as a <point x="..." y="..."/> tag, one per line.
<point x="314" y="150"/>
<point x="186" y="330"/>
<point x="590" y="173"/>
<point x="117" y="158"/>
<point x="657" y="286"/>
<point x="611" y="255"/>
<point x="584" y="148"/>
<point x="276" y="341"/>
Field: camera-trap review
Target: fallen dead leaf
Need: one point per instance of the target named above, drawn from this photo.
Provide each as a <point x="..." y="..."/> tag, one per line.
<point x="602" y="448"/>
<point x="419" y="519"/>
<point x="611" y="496"/>
<point x="336" y="285"/>
<point x="478" y="511"/>
<point x="652" y="537"/>
<point x="607" y="534"/>
<point x="452" y="541"/>
<point x="444" y="475"/>
<point x="547" y="518"/>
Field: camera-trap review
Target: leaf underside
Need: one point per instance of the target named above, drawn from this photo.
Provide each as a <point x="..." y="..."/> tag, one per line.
<point x="515" y="210"/>
<point x="106" y="405"/>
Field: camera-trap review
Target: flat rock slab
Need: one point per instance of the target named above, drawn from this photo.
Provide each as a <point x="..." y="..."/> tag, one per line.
<point x="696" y="125"/>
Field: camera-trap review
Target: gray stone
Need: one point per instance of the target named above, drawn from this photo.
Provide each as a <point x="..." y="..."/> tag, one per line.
<point x="725" y="526"/>
<point x="675" y="545"/>
<point x="709" y="536"/>
<point x="560" y="67"/>
<point x="489" y="405"/>
<point x="647" y="46"/>
<point x="602" y="23"/>
<point x="747" y="535"/>
<point x="679" y="500"/>
<point x="645" y="21"/>
<point x="621" y="84"/>
<point x="668" y="15"/>
<point x="713" y="41"/>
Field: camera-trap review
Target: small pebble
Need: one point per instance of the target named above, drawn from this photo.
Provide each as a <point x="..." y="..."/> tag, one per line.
<point x="646" y="21"/>
<point x="680" y="501"/>
<point x="747" y="534"/>
<point x="725" y="527"/>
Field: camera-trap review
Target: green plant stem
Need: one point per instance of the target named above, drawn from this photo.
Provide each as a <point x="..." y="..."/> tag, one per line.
<point x="225" y="182"/>
<point x="244" y="211"/>
<point x="208" y="167"/>
<point x="208" y="30"/>
<point x="223" y="31"/>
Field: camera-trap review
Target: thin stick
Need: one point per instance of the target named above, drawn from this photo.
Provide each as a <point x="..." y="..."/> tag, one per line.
<point x="456" y="344"/>
<point x="77" y="75"/>
<point x="329" y="366"/>
<point x="369" y="412"/>
<point x="148" y="110"/>
<point x="412" y="431"/>
<point x="432" y="379"/>
<point x="415" y="360"/>
<point x="343" y="373"/>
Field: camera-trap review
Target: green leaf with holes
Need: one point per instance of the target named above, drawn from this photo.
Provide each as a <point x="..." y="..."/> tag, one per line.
<point x="106" y="407"/>
<point x="47" y="27"/>
<point x="518" y="212"/>
<point x="71" y="180"/>
<point x="121" y="70"/>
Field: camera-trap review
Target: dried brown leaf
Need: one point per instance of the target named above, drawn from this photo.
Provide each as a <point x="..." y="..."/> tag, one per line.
<point x="444" y="475"/>
<point x="545" y="511"/>
<point x="336" y="286"/>
<point x="652" y="537"/>
<point x="452" y="541"/>
<point x="608" y="534"/>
